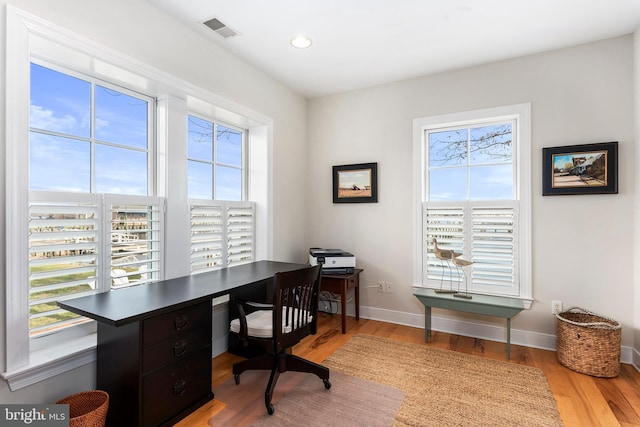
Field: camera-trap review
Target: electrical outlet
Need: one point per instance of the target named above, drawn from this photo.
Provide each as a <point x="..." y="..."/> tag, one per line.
<point x="556" y="307"/>
<point x="380" y="286"/>
<point x="388" y="287"/>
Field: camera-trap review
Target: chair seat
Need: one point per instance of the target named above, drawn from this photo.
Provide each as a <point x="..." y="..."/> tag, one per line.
<point x="260" y="323"/>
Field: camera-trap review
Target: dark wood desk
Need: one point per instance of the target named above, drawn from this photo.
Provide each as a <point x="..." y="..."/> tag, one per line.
<point x="154" y="341"/>
<point x="340" y="284"/>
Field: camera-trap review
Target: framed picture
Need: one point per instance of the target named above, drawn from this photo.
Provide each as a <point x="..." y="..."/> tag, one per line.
<point x="580" y="169"/>
<point x="355" y="183"/>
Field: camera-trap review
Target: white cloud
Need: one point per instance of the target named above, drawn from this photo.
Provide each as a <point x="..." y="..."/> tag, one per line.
<point x="45" y="119"/>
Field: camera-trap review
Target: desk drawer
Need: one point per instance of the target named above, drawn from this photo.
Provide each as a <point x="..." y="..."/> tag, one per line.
<point x="176" y="322"/>
<point x="175" y="348"/>
<point x="174" y="388"/>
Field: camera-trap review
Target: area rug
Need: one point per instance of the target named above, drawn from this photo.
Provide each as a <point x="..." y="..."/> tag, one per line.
<point x="301" y="399"/>
<point x="350" y="401"/>
<point x="447" y="388"/>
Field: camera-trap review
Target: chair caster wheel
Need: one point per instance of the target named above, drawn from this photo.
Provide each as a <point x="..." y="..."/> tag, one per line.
<point x="327" y="384"/>
<point x="236" y="377"/>
<point x="270" y="409"/>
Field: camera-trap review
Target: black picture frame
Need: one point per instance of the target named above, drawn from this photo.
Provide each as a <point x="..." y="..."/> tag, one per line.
<point x="356" y="183"/>
<point x="580" y="169"/>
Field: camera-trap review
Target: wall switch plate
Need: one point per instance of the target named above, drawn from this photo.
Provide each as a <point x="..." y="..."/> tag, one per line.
<point x="556" y="307"/>
<point x="388" y="287"/>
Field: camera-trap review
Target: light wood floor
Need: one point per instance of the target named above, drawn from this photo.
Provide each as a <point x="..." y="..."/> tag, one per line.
<point x="582" y="400"/>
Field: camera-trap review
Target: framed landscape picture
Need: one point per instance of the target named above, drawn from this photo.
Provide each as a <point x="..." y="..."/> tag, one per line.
<point x="580" y="169"/>
<point x="357" y="183"/>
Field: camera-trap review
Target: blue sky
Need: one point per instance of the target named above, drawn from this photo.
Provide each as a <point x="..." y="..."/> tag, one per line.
<point x="61" y="121"/>
<point x="471" y="163"/>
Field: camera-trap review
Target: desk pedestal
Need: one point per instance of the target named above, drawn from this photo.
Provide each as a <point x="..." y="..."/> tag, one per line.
<point x="340" y="284"/>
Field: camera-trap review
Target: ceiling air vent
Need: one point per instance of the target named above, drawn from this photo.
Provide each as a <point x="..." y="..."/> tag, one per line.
<point x="220" y="28"/>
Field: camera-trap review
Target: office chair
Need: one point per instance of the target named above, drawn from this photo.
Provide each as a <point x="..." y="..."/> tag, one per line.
<point x="292" y="316"/>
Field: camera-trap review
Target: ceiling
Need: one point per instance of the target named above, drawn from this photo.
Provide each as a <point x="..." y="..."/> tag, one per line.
<point x="361" y="43"/>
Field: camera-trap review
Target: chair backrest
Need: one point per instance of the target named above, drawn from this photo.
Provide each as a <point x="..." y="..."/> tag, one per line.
<point x="295" y="313"/>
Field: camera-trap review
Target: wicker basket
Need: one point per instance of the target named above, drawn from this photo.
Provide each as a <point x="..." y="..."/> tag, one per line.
<point x="588" y="343"/>
<point x="87" y="408"/>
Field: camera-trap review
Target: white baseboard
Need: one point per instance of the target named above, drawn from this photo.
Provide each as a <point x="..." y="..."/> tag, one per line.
<point x="635" y="355"/>
<point x="478" y="330"/>
<point x="443" y="324"/>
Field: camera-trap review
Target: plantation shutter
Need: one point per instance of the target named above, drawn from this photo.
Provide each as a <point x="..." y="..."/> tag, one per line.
<point x="222" y="234"/>
<point x="494" y="248"/>
<point x="484" y="232"/>
<point x="240" y="232"/>
<point x="207" y="231"/>
<point x="447" y="224"/>
<point x="136" y="228"/>
<point x="63" y="259"/>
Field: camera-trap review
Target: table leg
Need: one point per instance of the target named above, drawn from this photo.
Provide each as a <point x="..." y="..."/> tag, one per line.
<point x="427" y="323"/>
<point x="343" y="302"/>
<point x="357" y="292"/>
<point x="508" y="339"/>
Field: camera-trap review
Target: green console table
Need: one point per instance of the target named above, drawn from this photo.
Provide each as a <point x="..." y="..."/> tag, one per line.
<point x="480" y="304"/>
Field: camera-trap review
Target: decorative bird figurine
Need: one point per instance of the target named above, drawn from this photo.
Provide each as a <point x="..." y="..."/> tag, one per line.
<point x="445" y="255"/>
<point x="462" y="263"/>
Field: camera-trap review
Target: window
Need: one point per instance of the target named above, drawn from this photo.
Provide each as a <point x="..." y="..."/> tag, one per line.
<point x="96" y="156"/>
<point x="215" y="160"/>
<point x="222" y="229"/>
<point x="92" y="226"/>
<point x="100" y="129"/>
<point x="474" y="198"/>
<point x="80" y="244"/>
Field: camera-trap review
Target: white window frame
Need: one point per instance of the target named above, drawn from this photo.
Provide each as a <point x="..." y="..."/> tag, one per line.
<point x="91" y="139"/>
<point x="522" y="192"/>
<point x="26" y="35"/>
<point x="214" y="161"/>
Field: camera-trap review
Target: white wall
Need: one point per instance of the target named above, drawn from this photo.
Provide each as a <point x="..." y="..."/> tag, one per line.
<point x="636" y="211"/>
<point x="582" y="245"/>
<point x="136" y="29"/>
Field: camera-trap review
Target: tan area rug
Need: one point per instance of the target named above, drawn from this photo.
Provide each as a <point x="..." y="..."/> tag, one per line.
<point x="301" y="399"/>
<point x="447" y="388"/>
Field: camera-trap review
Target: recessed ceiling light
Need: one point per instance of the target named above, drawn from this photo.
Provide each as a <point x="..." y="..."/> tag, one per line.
<point x="301" y="42"/>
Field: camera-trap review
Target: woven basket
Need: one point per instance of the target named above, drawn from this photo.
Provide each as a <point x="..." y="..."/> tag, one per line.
<point x="87" y="408"/>
<point x="588" y="343"/>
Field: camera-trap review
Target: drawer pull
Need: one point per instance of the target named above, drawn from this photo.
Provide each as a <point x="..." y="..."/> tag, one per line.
<point x="179" y="388"/>
<point x="179" y="348"/>
<point x="180" y="322"/>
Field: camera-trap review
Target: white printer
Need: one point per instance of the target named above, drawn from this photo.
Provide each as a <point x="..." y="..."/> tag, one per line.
<point x="333" y="261"/>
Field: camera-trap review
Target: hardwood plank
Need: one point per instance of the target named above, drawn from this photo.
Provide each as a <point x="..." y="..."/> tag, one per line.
<point x="582" y="401"/>
<point x="202" y="415"/>
<point x="622" y="395"/>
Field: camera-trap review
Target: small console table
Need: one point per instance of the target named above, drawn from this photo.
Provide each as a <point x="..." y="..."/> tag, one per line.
<point x="480" y="304"/>
<point x="340" y="284"/>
